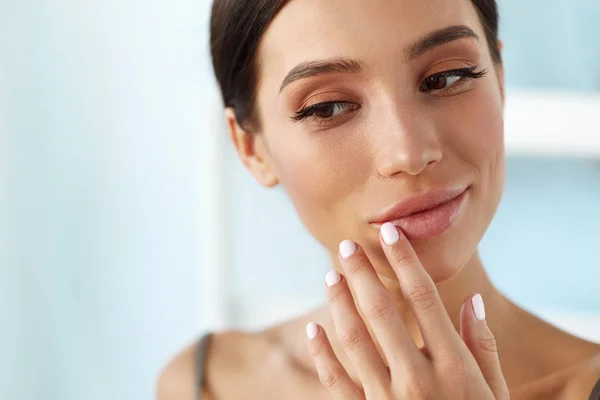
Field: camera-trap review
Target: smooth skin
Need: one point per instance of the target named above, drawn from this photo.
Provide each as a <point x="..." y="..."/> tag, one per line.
<point x="387" y="142"/>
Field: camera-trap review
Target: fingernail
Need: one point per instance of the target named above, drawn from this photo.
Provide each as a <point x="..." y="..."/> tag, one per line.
<point x="332" y="277"/>
<point x="389" y="233"/>
<point x="312" y="330"/>
<point x="347" y="248"/>
<point x="478" y="307"/>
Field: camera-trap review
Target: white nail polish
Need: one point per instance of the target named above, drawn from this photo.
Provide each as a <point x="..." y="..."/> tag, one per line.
<point x="478" y="307"/>
<point x="347" y="248"/>
<point x="332" y="277"/>
<point x="389" y="233"/>
<point x="312" y="330"/>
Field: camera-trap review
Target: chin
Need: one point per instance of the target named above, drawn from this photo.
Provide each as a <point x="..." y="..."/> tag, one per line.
<point x="445" y="256"/>
<point x="445" y="259"/>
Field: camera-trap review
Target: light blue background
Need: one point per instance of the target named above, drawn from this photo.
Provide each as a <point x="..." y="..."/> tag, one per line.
<point x="102" y="124"/>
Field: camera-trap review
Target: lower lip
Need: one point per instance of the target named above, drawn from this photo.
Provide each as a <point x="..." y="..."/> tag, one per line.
<point x="430" y="223"/>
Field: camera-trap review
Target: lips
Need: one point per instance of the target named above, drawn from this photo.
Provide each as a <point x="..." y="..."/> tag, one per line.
<point x="426" y="216"/>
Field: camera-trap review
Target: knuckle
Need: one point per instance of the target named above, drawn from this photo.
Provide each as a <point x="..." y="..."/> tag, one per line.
<point x="355" y="267"/>
<point x="336" y="294"/>
<point x="416" y="388"/>
<point x="450" y="360"/>
<point x="453" y="367"/>
<point x="424" y="297"/>
<point x="352" y="338"/>
<point x="488" y="343"/>
<point x="316" y="350"/>
<point x="381" y="308"/>
<point x="413" y="379"/>
<point x="331" y="379"/>
<point x="401" y="257"/>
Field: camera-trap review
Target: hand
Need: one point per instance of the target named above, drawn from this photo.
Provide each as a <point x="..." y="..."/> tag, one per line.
<point x="450" y="366"/>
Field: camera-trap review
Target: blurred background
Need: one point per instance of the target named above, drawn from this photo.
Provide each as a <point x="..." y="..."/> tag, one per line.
<point x="128" y="226"/>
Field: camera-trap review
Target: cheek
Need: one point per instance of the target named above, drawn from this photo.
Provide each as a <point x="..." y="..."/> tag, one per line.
<point x="320" y="173"/>
<point x="476" y="137"/>
<point x="480" y="134"/>
<point x="488" y="148"/>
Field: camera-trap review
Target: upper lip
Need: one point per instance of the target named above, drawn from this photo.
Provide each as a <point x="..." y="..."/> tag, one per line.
<point x="419" y="203"/>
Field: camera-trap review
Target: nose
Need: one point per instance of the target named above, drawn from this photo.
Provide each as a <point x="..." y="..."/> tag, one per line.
<point x="408" y="145"/>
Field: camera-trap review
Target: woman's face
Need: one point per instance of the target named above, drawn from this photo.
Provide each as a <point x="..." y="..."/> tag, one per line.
<point x="392" y="135"/>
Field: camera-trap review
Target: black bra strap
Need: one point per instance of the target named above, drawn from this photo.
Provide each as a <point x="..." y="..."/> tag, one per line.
<point x="595" y="392"/>
<point x="201" y="353"/>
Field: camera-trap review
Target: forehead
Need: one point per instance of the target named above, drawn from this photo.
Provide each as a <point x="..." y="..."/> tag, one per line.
<point x="372" y="31"/>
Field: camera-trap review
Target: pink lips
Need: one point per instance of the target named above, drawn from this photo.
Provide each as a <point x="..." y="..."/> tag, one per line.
<point x="425" y="217"/>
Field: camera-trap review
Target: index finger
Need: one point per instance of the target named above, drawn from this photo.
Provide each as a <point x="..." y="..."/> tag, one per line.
<point x="419" y="290"/>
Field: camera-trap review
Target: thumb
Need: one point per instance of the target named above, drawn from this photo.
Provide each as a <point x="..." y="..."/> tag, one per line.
<point x="481" y="342"/>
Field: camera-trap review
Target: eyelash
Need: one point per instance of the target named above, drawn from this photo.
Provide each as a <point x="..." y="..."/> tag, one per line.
<point x="465" y="73"/>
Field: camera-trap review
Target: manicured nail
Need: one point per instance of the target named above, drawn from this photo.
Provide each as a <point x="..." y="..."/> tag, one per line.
<point x="312" y="330"/>
<point x="389" y="233"/>
<point x="347" y="248"/>
<point x="332" y="277"/>
<point x="478" y="307"/>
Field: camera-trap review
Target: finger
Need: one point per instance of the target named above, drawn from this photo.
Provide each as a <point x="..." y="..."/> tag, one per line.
<point x="354" y="336"/>
<point x="420" y="291"/>
<point x="378" y="308"/>
<point x="481" y="342"/>
<point x="331" y="372"/>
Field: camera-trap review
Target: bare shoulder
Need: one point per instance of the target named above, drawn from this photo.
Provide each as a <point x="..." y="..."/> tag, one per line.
<point x="583" y="377"/>
<point x="240" y="364"/>
<point x="231" y="357"/>
<point x="572" y="383"/>
<point x="177" y="378"/>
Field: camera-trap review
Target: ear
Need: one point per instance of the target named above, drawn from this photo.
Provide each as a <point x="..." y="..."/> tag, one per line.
<point x="500" y="74"/>
<point x="252" y="151"/>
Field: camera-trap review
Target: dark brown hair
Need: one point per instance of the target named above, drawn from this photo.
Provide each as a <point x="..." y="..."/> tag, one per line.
<point x="236" y="27"/>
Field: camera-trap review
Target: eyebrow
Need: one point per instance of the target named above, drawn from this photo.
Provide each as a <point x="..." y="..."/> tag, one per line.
<point x="314" y="68"/>
<point x="341" y="65"/>
<point x="438" y="38"/>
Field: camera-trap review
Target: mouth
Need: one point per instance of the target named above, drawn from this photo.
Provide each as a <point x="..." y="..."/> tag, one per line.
<point x="426" y="216"/>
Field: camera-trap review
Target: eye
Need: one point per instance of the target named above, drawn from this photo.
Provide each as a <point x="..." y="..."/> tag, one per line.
<point x="330" y="110"/>
<point x="447" y="80"/>
<point x="325" y="111"/>
<point x="437" y="82"/>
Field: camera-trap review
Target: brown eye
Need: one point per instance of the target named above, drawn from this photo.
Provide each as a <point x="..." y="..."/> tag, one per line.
<point x="328" y="110"/>
<point x="435" y="83"/>
<point x="325" y="112"/>
<point x="439" y="82"/>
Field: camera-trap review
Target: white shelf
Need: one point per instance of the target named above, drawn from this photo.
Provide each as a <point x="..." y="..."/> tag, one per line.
<point x="552" y="124"/>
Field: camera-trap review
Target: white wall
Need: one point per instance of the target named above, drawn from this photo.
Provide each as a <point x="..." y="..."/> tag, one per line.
<point x="104" y="165"/>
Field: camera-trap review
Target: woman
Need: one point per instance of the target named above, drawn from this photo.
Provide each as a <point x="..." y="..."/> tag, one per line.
<point x="383" y="121"/>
